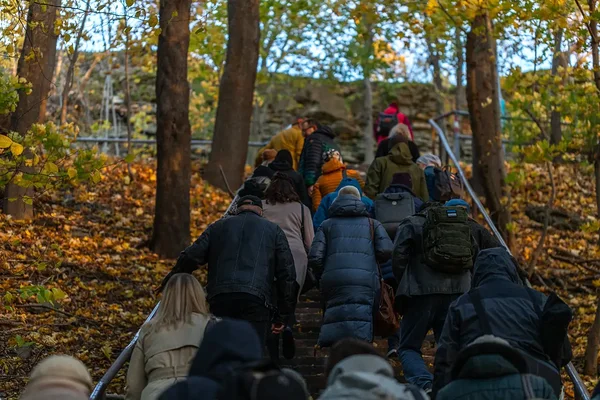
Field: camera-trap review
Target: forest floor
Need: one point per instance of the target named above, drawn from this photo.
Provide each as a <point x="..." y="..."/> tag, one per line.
<point x="87" y="246"/>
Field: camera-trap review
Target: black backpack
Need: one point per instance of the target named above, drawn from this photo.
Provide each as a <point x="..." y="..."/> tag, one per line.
<point x="386" y="123"/>
<point x="447" y="185"/>
<point x="448" y="245"/>
<point x="392" y="208"/>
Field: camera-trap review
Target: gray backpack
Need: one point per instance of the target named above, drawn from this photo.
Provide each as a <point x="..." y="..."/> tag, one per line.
<point x="392" y="208"/>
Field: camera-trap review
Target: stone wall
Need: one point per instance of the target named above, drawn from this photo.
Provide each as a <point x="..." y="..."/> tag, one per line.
<point x="340" y="106"/>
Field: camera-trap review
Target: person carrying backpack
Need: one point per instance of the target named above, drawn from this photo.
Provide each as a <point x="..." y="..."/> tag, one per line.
<point x="382" y="170"/>
<point x="499" y="305"/>
<point x="315" y="144"/>
<point x="389" y="118"/>
<point x="433" y="255"/>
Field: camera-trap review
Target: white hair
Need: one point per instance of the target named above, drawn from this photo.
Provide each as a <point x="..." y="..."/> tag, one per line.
<point x="349" y="190"/>
<point x="400" y="130"/>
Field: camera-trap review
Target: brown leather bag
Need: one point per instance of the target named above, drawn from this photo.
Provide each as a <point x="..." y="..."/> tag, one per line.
<point x="385" y="319"/>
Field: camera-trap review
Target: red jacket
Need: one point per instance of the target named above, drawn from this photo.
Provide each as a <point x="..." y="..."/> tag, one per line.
<point x="402" y="119"/>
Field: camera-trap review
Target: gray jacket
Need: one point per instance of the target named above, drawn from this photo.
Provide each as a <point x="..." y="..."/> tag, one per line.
<point x="414" y="276"/>
<point x="367" y="377"/>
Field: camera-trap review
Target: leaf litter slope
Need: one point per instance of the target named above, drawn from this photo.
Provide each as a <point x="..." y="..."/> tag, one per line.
<point x="89" y="246"/>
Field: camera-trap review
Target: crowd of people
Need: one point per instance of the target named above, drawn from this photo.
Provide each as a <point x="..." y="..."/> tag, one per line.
<point x="304" y="220"/>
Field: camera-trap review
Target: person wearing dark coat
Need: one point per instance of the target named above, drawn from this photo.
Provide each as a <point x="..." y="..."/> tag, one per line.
<point x="490" y="368"/>
<point x="249" y="260"/>
<point x="511" y="310"/>
<point x="344" y="257"/>
<point x="283" y="164"/>
<point x="483" y="237"/>
<point x="423" y="297"/>
<point x="311" y="159"/>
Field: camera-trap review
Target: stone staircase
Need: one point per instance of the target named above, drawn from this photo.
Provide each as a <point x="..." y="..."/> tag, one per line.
<point x="311" y="365"/>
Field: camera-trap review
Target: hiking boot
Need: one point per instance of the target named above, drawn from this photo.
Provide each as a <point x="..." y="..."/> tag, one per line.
<point x="288" y="345"/>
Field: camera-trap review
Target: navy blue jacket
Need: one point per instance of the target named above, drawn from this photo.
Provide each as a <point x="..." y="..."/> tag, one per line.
<point x="244" y="253"/>
<point x="344" y="257"/>
<point x="509" y="308"/>
<point x="323" y="211"/>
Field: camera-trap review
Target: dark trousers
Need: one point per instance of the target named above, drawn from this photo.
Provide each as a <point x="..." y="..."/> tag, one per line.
<point x="421" y="313"/>
<point x="258" y="315"/>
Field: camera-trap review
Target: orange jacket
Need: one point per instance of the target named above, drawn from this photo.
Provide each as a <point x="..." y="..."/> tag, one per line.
<point x="330" y="180"/>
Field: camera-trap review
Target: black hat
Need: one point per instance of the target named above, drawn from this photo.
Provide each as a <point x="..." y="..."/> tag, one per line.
<point x="249" y="201"/>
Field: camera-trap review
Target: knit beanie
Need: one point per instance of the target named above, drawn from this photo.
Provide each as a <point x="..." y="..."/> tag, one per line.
<point x="402" y="178"/>
<point x="59" y="371"/>
<point x="458" y="203"/>
<point x="331" y="153"/>
<point x="430" y="160"/>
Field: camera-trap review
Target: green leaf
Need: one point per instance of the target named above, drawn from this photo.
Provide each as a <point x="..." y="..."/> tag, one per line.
<point x="72" y="172"/>
<point x="130" y="158"/>
<point x="28" y="200"/>
<point x="51" y="167"/>
<point x="129" y="3"/>
<point x="5" y="142"/>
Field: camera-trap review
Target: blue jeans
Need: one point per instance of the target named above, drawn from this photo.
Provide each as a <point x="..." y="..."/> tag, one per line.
<point x="421" y="313"/>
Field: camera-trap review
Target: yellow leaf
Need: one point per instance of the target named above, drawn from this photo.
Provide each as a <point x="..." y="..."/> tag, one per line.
<point x="153" y="20"/>
<point x="96" y="177"/>
<point x="5" y="142"/>
<point x="51" y="167"/>
<point x="16" y="149"/>
<point x="72" y="172"/>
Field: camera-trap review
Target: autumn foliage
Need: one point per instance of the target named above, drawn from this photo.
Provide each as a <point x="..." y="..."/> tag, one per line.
<point x="84" y="260"/>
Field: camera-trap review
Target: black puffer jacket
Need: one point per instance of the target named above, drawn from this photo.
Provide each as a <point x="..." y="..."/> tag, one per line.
<point x="311" y="159"/>
<point x="245" y="253"/>
<point x="509" y="309"/>
<point x="283" y="164"/>
<point x="344" y="257"/>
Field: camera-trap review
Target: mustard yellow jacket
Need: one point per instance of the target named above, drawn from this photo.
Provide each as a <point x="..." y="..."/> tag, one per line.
<point x="289" y="139"/>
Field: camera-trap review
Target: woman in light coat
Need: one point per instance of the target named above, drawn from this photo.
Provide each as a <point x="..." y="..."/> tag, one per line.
<point x="168" y="343"/>
<point x="282" y="206"/>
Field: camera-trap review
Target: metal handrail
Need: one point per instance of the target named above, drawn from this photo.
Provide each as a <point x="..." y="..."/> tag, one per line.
<point x="194" y="142"/>
<point x="100" y="389"/>
<point x="578" y="384"/>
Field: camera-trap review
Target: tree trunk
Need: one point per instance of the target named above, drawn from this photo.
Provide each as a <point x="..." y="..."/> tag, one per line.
<point x="460" y="62"/>
<point x="236" y="91"/>
<point x="484" y="109"/>
<point x="368" y="129"/>
<point x="71" y="69"/>
<point x="173" y="134"/>
<point x="368" y="95"/>
<point x="593" y="346"/>
<point x="38" y="70"/>
<point x="557" y="61"/>
<point x="594" y="42"/>
<point x="434" y="60"/>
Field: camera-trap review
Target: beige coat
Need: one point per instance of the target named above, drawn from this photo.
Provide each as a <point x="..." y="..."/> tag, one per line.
<point x="289" y="219"/>
<point x="162" y="358"/>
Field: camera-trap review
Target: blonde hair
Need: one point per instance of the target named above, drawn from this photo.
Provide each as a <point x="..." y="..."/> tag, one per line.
<point x="182" y="297"/>
<point x="400" y="130"/>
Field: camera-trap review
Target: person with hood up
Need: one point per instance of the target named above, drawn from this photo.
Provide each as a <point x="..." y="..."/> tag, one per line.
<point x="311" y="160"/>
<point x="500" y="305"/>
<point x="355" y="370"/>
<point x="398" y="133"/>
<point x="323" y="211"/>
<point x="428" y="163"/>
<point x="283" y="165"/>
<point x="334" y="171"/>
<point x="290" y="139"/>
<point x="490" y="368"/>
<point x="249" y="261"/>
<point x="59" y="377"/>
<point x="344" y="257"/>
<point x="168" y="343"/>
<point x="393" y="110"/>
<point x="382" y="170"/>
